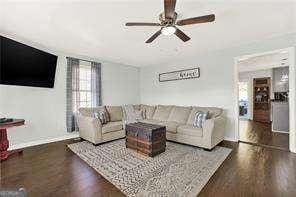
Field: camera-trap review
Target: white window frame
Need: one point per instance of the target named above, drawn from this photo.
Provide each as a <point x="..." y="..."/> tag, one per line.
<point x="86" y="67"/>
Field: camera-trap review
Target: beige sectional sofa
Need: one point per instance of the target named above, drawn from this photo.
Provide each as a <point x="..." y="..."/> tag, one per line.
<point x="177" y="119"/>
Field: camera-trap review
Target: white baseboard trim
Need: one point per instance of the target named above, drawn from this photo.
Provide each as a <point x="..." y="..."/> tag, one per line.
<point x="230" y="139"/>
<point x="45" y="141"/>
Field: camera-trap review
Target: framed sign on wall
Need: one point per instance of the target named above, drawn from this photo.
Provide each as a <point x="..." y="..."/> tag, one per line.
<point x="180" y="75"/>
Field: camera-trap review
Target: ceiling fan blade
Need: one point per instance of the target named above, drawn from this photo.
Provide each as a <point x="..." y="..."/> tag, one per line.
<point x="153" y="36"/>
<point x="169" y="8"/>
<point x="142" y="24"/>
<point x="195" y="20"/>
<point x="182" y="35"/>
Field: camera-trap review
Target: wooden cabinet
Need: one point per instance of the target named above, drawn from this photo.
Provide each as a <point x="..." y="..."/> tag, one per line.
<point x="261" y="99"/>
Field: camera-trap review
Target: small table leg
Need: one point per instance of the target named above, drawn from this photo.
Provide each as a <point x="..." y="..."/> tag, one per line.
<point x="4" y="144"/>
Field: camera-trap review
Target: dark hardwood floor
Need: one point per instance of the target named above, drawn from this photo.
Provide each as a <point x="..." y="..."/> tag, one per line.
<point x="53" y="170"/>
<point x="261" y="134"/>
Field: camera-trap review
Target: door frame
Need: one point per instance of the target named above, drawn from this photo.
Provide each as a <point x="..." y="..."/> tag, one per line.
<point x="292" y="94"/>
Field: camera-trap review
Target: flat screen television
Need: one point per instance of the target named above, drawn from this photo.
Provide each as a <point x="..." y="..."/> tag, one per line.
<point x="25" y="66"/>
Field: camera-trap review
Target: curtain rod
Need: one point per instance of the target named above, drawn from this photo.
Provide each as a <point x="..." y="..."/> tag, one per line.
<point x="81" y="59"/>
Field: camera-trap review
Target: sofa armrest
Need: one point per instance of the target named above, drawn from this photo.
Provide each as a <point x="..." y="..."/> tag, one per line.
<point x="214" y="131"/>
<point x="89" y="128"/>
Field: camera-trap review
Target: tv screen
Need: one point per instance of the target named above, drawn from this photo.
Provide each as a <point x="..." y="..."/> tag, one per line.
<point x="25" y="66"/>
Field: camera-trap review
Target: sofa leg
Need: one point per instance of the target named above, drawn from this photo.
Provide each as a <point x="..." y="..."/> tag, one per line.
<point x="208" y="149"/>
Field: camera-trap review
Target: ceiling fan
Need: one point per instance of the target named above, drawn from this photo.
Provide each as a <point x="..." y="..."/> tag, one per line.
<point x="168" y="22"/>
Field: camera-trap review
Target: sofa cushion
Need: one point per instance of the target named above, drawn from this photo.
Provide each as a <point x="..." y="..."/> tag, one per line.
<point x="148" y="111"/>
<point x="89" y="111"/>
<point x="162" y="112"/>
<point x="99" y="108"/>
<point x="189" y="130"/>
<point x="213" y="113"/>
<point x="112" y="126"/>
<point x="151" y="121"/>
<point x="170" y="126"/>
<point x="137" y="107"/>
<point x="85" y="111"/>
<point x="102" y="116"/>
<point x="180" y="114"/>
<point x="115" y="113"/>
<point x="131" y="114"/>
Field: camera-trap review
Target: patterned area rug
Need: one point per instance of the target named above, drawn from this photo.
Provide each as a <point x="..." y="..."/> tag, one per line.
<point x="180" y="171"/>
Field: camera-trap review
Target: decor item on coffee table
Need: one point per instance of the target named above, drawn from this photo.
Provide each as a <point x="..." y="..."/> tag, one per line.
<point x="4" y="143"/>
<point x="148" y="139"/>
<point x="181" y="170"/>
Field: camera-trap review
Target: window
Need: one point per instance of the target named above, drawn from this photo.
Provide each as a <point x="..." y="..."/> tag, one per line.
<point x="82" y="90"/>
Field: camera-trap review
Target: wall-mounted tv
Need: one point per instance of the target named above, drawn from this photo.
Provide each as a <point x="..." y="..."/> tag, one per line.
<point x="25" y="66"/>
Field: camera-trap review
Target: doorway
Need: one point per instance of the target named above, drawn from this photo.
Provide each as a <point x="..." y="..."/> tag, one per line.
<point x="265" y="95"/>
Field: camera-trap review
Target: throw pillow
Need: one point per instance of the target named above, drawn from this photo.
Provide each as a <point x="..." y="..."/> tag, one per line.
<point x="139" y="115"/>
<point x="108" y="119"/>
<point x="102" y="116"/>
<point x="148" y="111"/>
<point x="131" y="114"/>
<point x="200" y="118"/>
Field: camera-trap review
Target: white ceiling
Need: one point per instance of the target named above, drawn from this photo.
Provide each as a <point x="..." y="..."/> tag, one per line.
<point x="265" y="61"/>
<point x="96" y="28"/>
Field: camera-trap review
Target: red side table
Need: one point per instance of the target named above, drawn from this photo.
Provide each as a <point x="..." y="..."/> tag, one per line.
<point x="4" y="143"/>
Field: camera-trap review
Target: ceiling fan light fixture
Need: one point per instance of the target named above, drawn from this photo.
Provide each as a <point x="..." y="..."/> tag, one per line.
<point x="169" y="22"/>
<point x="168" y="30"/>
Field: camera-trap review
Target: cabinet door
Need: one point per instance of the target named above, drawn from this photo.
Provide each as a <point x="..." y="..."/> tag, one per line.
<point x="280" y="85"/>
<point x="280" y="116"/>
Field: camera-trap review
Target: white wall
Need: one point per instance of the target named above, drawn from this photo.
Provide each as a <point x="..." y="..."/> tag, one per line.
<point x="248" y="77"/>
<point x="120" y="84"/>
<point x="216" y="85"/>
<point x="45" y="109"/>
<point x="42" y="108"/>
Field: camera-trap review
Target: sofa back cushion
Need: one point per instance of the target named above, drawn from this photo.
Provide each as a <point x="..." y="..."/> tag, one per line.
<point x="115" y="113"/>
<point x="148" y="111"/>
<point x="99" y="108"/>
<point x="86" y="111"/>
<point x="89" y="111"/>
<point x="137" y="107"/>
<point x="179" y="114"/>
<point x="162" y="112"/>
<point x="213" y="113"/>
<point x="131" y="115"/>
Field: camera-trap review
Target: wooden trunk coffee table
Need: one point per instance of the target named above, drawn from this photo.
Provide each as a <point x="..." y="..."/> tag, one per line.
<point x="4" y="143"/>
<point x="148" y="139"/>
